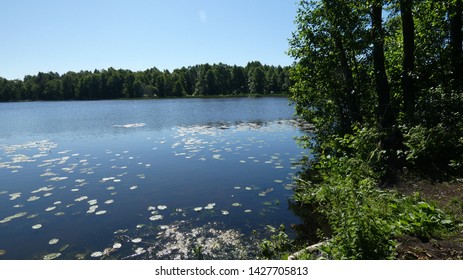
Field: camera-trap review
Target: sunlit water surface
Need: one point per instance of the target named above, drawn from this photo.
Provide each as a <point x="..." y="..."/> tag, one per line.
<point x="162" y="179"/>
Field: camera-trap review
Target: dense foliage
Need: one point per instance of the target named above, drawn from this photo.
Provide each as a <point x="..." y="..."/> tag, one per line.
<point x="381" y="81"/>
<point x="199" y="80"/>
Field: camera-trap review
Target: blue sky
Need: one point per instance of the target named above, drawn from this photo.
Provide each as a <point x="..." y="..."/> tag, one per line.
<point x="66" y="35"/>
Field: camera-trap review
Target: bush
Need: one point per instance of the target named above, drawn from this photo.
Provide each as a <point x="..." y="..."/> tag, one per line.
<point x="364" y="219"/>
<point x="437" y="150"/>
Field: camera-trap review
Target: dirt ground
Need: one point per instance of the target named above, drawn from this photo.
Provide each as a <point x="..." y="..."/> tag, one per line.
<point x="448" y="196"/>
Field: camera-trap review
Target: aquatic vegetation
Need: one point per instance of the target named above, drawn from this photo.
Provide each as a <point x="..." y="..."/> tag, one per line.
<point x="156" y="217"/>
<point x="53" y="241"/>
<point x="82" y="198"/>
<point x="210" y="206"/>
<point x="92" y="202"/>
<point x="2" y="252"/>
<point x="57" y="179"/>
<point x="140" y="250"/>
<point x="73" y="177"/>
<point x="130" y="125"/>
<point x="14" y="196"/>
<point x="96" y="254"/>
<point x="92" y="209"/>
<point x="211" y="241"/>
<point x="37" y="226"/>
<point x="52" y="256"/>
<point x="15" y="216"/>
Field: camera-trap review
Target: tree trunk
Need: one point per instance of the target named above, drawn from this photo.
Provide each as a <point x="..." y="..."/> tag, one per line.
<point x="391" y="139"/>
<point x="408" y="31"/>
<point x="385" y="110"/>
<point x="455" y="14"/>
<point x="350" y="93"/>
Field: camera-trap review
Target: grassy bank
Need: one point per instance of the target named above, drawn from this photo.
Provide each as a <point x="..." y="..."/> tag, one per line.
<point x="361" y="217"/>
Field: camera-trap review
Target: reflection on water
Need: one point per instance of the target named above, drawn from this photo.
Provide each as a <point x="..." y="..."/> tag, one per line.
<point x="203" y="187"/>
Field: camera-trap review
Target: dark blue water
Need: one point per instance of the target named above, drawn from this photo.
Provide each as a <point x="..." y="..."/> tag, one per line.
<point x="144" y="179"/>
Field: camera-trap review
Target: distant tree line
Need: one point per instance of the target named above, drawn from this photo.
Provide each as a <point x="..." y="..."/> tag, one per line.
<point x="199" y="80"/>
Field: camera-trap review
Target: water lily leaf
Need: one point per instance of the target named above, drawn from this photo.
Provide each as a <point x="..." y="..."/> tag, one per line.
<point x="96" y="254"/>
<point x="37" y="226"/>
<point x="52" y="256"/>
<point x="156" y="217"/>
<point x="53" y="241"/>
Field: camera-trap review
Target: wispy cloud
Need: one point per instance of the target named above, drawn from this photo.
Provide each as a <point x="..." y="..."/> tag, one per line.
<point x="202" y="16"/>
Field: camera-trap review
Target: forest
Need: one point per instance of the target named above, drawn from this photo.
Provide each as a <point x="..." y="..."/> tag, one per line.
<point x="198" y="80"/>
<point x="382" y="83"/>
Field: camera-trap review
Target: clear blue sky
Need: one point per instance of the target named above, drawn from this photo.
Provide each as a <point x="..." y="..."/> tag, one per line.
<point x="74" y="35"/>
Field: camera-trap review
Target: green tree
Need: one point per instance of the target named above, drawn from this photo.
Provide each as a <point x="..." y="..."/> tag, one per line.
<point x="238" y="80"/>
<point x="256" y="80"/>
<point x="206" y="82"/>
<point x="408" y="31"/>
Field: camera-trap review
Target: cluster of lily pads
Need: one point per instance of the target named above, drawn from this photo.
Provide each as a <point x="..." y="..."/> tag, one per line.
<point x="82" y="184"/>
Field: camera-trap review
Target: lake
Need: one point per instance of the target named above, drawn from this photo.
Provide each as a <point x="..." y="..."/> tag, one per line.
<point x="145" y="179"/>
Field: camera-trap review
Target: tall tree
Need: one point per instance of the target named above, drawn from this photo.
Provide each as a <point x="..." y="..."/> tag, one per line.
<point x="408" y="34"/>
<point x="256" y="80"/>
<point x="385" y="111"/>
<point x="455" y="16"/>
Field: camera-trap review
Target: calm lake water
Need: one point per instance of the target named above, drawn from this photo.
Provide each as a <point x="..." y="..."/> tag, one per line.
<point x="162" y="179"/>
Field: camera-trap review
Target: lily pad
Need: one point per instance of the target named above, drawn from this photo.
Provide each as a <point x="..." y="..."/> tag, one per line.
<point x="140" y="250"/>
<point x="236" y="204"/>
<point x="92" y="202"/>
<point x="14" y="196"/>
<point x="136" y="240"/>
<point x="37" y="226"/>
<point x="82" y="198"/>
<point x="96" y="254"/>
<point x="53" y="241"/>
<point x="210" y="206"/>
<point x="117" y="245"/>
<point x="52" y="256"/>
<point x="156" y="217"/>
<point x="9" y="218"/>
<point x="225" y="212"/>
<point x="198" y="209"/>
<point x="162" y="207"/>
